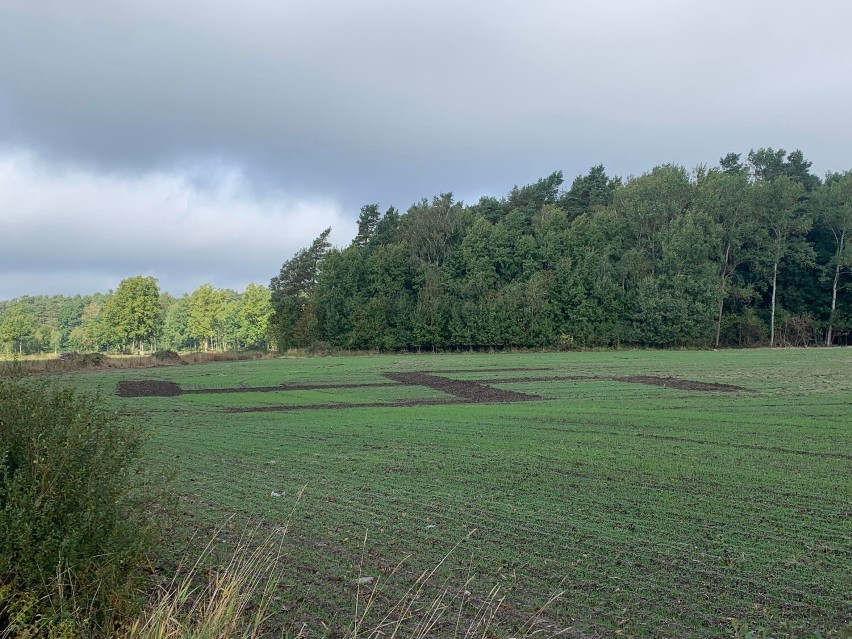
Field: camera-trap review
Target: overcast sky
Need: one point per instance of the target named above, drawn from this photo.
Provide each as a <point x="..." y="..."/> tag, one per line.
<point x="206" y="141"/>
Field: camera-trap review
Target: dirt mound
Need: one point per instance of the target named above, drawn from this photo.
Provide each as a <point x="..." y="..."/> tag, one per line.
<point x="147" y="388"/>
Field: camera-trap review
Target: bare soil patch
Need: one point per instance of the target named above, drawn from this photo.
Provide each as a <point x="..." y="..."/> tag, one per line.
<point x="470" y="390"/>
<point x="668" y="382"/>
<point x="460" y="391"/>
<point x="147" y="388"/>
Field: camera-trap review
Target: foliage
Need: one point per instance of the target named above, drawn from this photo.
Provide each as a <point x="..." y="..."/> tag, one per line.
<point x="133" y="315"/>
<point x="18" y="326"/>
<point x="165" y="355"/>
<point x="254" y="317"/>
<point x="294" y="322"/>
<point x="668" y="258"/>
<point x="74" y="510"/>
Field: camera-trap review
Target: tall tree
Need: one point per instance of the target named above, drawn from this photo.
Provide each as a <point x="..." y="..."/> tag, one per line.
<point x="203" y="307"/>
<point x="766" y="164"/>
<point x="91" y="333"/>
<point x="784" y="222"/>
<point x="731" y="164"/>
<point x="770" y="164"/>
<point x="132" y="314"/>
<point x="18" y="326"/>
<point x="724" y="196"/>
<point x="368" y="220"/>
<point x="588" y="191"/>
<point x="649" y="203"/>
<point x="833" y="205"/>
<point x="255" y="312"/>
<point x="434" y="229"/>
<point x="176" y="332"/>
<point x="291" y="293"/>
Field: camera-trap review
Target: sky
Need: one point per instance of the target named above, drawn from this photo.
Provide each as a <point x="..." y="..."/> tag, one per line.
<point x="207" y="141"/>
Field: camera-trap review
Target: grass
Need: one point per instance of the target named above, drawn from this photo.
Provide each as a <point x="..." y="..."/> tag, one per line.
<point x="658" y="512"/>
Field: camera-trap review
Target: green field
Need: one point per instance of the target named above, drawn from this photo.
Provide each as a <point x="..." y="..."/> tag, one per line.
<point x="659" y="511"/>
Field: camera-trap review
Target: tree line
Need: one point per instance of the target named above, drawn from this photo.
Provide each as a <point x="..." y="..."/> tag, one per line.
<point x="752" y="251"/>
<point x="136" y="318"/>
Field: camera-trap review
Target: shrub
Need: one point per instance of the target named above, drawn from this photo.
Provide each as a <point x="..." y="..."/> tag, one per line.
<point x="74" y="524"/>
<point x="90" y="359"/>
<point x="744" y="330"/>
<point x="166" y="355"/>
<point x="320" y="348"/>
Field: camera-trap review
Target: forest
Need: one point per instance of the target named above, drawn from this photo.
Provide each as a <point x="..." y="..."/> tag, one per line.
<point x="753" y="251"/>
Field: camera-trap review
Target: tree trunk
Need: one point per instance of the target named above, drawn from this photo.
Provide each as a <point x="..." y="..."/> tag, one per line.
<point x="840" y="246"/>
<point x="772" y="321"/>
<point x="829" y="336"/>
<point x="722" y="295"/>
<point x="719" y="320"/>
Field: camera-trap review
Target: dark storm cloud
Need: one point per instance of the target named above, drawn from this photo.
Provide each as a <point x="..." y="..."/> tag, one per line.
<point x="360" y="99"/>
<point x="353" y="102"/>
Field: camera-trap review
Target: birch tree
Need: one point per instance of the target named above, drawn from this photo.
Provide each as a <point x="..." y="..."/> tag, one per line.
<point x="783" y="224"/>
<point x="833" y="204"/>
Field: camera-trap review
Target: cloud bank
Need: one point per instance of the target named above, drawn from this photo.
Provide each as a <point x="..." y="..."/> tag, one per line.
<point x="74" y="231"/>
<point x="263" y="112"/>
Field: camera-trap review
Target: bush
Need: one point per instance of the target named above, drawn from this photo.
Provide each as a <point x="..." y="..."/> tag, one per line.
<point x="320" y="348"/>
<point x="166" y="355"/>
<point x="745" y="330"/>
<point x="74" y="516"/>
<point x="90" y="359"/>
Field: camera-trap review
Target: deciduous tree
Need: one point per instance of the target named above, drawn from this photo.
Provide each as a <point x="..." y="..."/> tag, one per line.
<point x="132" y="315"/>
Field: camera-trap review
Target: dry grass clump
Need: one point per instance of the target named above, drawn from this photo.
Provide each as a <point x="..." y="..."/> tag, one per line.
<point x="231" y="602"/>
<point x="237" y="602"/>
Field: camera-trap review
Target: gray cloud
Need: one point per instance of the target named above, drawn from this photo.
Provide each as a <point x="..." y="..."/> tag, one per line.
<point x="383" y="100"/>
<point x="73" y="231"/>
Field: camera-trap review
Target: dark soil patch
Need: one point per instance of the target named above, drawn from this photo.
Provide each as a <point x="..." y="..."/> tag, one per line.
<point x="680" y="384"/>
<point x="462" y="391"/>
<point x="465" y="389"/>
<point x="668" y="382"/>
<point x="147" y="388"/>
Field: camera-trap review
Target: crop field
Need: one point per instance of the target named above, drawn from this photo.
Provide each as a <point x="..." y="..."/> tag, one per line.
<point x="662" y="493"/>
